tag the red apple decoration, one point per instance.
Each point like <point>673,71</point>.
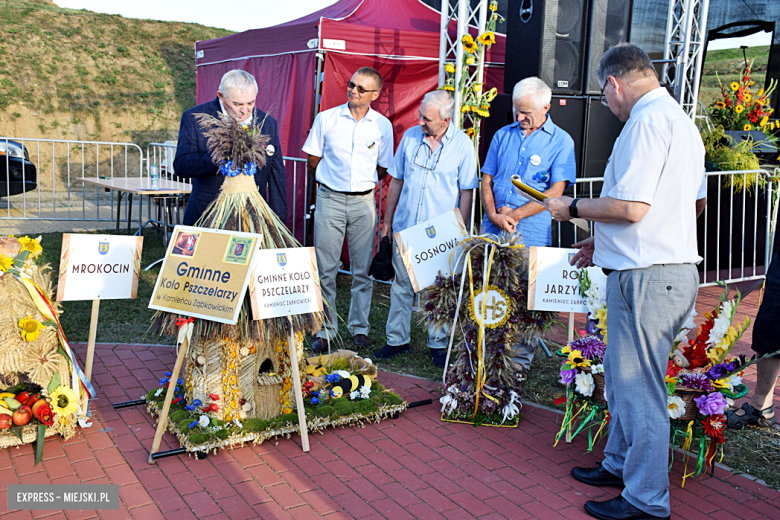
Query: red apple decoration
<point>5,421</point>
<point>22,415</point>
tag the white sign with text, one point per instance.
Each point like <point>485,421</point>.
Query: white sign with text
<point>554,284</point>
<point>285,282</point>
<point>426,247</point>
<point>99,267</point>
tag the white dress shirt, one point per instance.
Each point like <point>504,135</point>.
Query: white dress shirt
<point>350,150</point>
<point>658,159</point>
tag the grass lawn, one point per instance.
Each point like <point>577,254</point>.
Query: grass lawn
<point>752,451</point>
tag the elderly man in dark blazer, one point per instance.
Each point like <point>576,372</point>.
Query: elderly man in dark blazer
<point>236,97</point>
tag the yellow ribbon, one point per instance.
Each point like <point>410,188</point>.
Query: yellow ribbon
<point>686,445</point>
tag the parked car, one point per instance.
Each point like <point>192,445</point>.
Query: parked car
<point>17,173</point>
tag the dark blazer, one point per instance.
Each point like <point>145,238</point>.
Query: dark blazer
<point>193,160</point>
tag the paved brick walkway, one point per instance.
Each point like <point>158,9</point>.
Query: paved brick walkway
<point>413,467</point>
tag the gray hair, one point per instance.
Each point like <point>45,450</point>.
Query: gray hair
<point>534,87</point>
<point>441,99</point>
<point>624,60</point>
<point>237,80</point>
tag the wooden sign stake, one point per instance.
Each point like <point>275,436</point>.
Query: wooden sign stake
<point>91,347</point>
<point>571,327</point>
<point>297,388</point>
<point>162,419</point>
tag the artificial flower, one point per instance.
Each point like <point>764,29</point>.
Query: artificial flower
<point>6,262</point>
<point>204,421</point>
<point>583,383</point>
<point>471,132</point>
<point>190,408</point>
<point>64,401</point>
<point>597,369</point>
<point>469,45</point>
<point>734,85</point>
<point>491,94</point>
<point>465,108</point>
<point>720,104</point>
<point>670,380</point>
<point>576,359</point>
<point>493,6</point>
<point>354,394</point>
<point>449,67</point>
<point>365,392</point>
<point>448,88</point>
<point>567,376</point>
<point>244,351</point>
<point>32,245</point>
<point>158,392</point>
<point>590,347</point>
<point>764,121</point>
<point>695,381</point>
<point>487,38</point>
<point>747,127</point>
<point>315,400</point>
<point>748,97</point>
<point>676,406</point>
<point>711,404</point>
<point>214,397</point>
<point>192,424</point>
<point>566,350</point>
<point>714,426</point>
<point>31,328</point>
<point>197,403</point>
<point>738,109</point>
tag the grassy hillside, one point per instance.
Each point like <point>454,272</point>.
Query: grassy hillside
<point>75,74</point>
<point>728,63</point>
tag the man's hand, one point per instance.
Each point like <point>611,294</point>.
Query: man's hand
<point>559,208</point>
<point>584,257</point>
<point>502,220</point>
<point>386,230</point>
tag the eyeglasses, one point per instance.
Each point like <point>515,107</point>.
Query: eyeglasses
<point>425,159</point>
<point>603,98</point>
<point>360,89</point>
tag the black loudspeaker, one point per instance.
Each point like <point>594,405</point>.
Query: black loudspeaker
<point>610,22</point>
<point>601,131</point>
<point>546,38</point>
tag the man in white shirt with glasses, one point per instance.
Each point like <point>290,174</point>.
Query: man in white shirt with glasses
<point>349,150</point>
<point>434,171</point>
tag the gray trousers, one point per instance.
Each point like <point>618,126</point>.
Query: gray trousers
<point>645,310</point>
<point>399,319</point>
<point>523,353</point>
<point>337,215</point>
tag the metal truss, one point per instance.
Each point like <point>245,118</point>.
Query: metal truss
<point>462,12</point>
<point>686,32</point>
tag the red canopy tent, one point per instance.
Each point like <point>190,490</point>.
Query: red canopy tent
<point>399,38</point>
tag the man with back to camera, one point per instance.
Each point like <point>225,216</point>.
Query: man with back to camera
<point>349,149</point>
<point>236,97</point>
<point>433,172</point>
<point>645,241</point>
<point>542,154</point>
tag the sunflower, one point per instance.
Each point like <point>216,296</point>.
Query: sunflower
<point>465,108</point>
<point>747,127</point>
<point>476,87</point>
<point>64,401</point>
<point>31,328</point>
<point>738,109</point>
<point>6,262</point>
<point>470,132</point>
<point>493,5</point>
<point>470,60</point>
<point>469,45</point>
<point>764,121</point>
<point>491,94</point>
<point>577,360</point>
<point>448,88</point>
<point>748,97</point>
<point>449,68</point>
<point>720,104</point>
<point>31,245</point>
<point>734,85</point>
<point>487,38</point>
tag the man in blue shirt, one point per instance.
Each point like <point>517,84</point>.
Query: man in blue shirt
<point>434,171</point>
<point>543,156</point>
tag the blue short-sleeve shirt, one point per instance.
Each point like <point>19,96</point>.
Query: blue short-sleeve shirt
<point>541,159</point>
<point>432,179</point>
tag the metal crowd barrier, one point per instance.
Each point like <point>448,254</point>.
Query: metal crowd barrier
<point>56,165</point>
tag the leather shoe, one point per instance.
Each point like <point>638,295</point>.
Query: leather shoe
<point>389,351</point>
<point>319,345</point>
<point>597,476</point>
<point>361,340</point>
<point>617,508</point>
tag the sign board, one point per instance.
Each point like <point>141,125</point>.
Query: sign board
<point>285,282</point>
<point>426,247</point>
<point>205,273</point>
<point>99,267</point>
<point>554,284</point>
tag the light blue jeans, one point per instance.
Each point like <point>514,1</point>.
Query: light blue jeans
<point>645,310</point>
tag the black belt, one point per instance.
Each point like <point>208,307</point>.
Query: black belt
<point>607,271</point>
<point>348,192</point>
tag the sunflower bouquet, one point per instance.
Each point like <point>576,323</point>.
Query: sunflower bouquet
<point>743,108</point>
<point>474,100</point>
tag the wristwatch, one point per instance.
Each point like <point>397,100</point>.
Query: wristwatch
<point>573,213</point>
